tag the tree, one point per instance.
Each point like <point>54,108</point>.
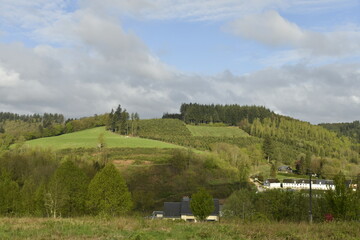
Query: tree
<point>300,164</point>
<point>108,193</point>
<point>240,204</point>
<point>66,195</point>
<point>101,141</point>
<point>9,194</point>
<point>124,125</point>
<point>307,162</point>
<point>268,148</point>
<point>202,204</point>
<point>27,195</point>
<point>273,170</point>
<point>341,199</point>
<point>103,154</point>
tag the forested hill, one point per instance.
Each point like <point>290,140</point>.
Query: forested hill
<point>351,130</point>
<point>292,137</point>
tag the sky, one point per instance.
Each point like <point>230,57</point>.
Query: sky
<point>299,58</point>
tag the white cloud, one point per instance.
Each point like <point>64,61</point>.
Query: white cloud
<point>8,78</point>
<point>272,29</point>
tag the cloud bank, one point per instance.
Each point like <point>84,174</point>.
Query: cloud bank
<point>85,63</point>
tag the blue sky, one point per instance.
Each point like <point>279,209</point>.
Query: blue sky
<point>297,57</point>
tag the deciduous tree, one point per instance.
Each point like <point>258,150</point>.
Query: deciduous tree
<point>108,193</point>
<point>202,204</point>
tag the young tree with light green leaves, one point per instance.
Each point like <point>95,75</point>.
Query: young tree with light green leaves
<point>342,200</point>
<point>108,193</point>
<point>202,204</point>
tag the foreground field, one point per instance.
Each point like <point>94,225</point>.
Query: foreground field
<point>89,139</point>
<point>139,228</point>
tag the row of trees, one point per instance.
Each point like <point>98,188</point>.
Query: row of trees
<point>195,113</point>
<point>68,193</point>
<point>45,119</point>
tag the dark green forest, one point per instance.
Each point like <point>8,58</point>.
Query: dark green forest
<point>194,113</point>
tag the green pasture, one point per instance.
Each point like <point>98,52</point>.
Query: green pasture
<point>209,131</point>
<point>89,139</point>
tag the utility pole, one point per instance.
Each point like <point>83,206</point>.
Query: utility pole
<point>310,201</point>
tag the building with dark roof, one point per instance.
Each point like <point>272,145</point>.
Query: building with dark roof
<point>286,169</point>
<point>182,210</point>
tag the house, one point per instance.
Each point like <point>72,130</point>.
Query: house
<point>272,183</point>
<point>286,169</point>
<point>182,210</point>
<point>318,184</point>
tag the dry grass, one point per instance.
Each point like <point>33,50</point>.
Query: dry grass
<point>140,228</point>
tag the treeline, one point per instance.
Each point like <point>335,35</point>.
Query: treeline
<point>46,118</point>
<point>282,205</point>
<point>120,121</point>
<point>351,130</point>
<point>194,113</point>
<point>36,183</point>
<point>27,127</point>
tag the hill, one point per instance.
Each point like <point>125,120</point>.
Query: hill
<point>89,139</point>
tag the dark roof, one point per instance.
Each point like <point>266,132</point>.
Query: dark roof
<point>314,181</point>
<point>172,209</point>
<point>284,168</point>
<point>185,206</point>
<point>272,180</point>
<point>176,209</point>
<point>288,181</point>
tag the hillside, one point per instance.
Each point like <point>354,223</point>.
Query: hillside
<point>351,130</point>
<point>210,131</point>
<point>89,139</point>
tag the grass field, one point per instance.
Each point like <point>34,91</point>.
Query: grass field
<point>139,228</point>
<point>208,131</point>
<point>89,139</point>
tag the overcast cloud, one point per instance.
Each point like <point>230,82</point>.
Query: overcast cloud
<point>82,62</point>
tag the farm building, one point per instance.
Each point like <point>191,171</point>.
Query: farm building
<point>182,210</point>
<point>272,183</point>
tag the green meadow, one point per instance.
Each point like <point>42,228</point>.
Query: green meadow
<point>89,139</point>
<point>209,131</point>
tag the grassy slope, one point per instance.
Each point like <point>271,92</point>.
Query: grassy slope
<point>208,131</point>
<point>139,228</point>
<point>89,139</point>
